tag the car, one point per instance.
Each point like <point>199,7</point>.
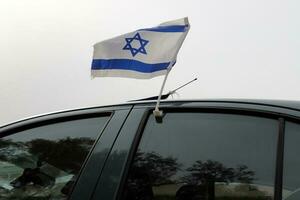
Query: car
<point>198,150</point>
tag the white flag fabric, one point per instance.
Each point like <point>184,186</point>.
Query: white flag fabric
<point>141,54</point>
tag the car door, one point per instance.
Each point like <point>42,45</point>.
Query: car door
<point>46,157</point>
<point>197,153</point>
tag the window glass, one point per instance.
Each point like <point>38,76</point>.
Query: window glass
<point>291,174</point>
<point>204,156</point>
<point>43,162</point>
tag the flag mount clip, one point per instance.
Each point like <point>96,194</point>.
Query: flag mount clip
<point>159,113</point>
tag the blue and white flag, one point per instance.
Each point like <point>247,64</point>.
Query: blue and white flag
<point>141,54</point>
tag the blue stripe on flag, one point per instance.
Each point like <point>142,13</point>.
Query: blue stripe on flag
<point>173,28</point>
<point>128,64</point>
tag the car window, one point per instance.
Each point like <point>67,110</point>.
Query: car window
<point>204,156</point>
<point>291,173</point>
<point>43,162</point>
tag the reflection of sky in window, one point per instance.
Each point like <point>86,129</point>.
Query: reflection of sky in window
<point>90,128</point>
<point>230,139</point>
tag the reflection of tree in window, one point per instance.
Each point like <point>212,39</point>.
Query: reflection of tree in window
<point>149,169</point>
<point>43,161</point>
<point>66,154</point>
<point>203,176</point>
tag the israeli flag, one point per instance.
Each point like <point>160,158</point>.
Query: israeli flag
<point>141,54</point>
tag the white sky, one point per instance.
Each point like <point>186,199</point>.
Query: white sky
<point>236,48</point>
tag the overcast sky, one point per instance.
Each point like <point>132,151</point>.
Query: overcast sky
<point>236,48</point>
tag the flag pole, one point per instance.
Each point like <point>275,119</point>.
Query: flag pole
<point>156,111</point>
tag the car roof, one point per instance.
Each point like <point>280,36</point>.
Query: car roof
<point>294,105</point>
<point>285,104</point>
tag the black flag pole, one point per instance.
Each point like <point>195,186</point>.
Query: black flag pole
<point>157,112</point>
<point>173,91</point>
<point>165,96</point>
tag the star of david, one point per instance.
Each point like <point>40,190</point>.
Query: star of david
<point>133,50</point>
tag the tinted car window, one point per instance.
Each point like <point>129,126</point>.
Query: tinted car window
<point>291,174</point>
<point>43,162</point>
<point>204,156</point>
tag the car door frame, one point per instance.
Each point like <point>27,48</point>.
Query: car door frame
<point>250,109</point>
<point>117,115</point>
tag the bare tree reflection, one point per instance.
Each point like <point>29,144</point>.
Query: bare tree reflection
<point>204,174</point>
<point>149,169</point>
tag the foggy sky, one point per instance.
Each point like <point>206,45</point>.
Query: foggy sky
<point>236,48</point>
